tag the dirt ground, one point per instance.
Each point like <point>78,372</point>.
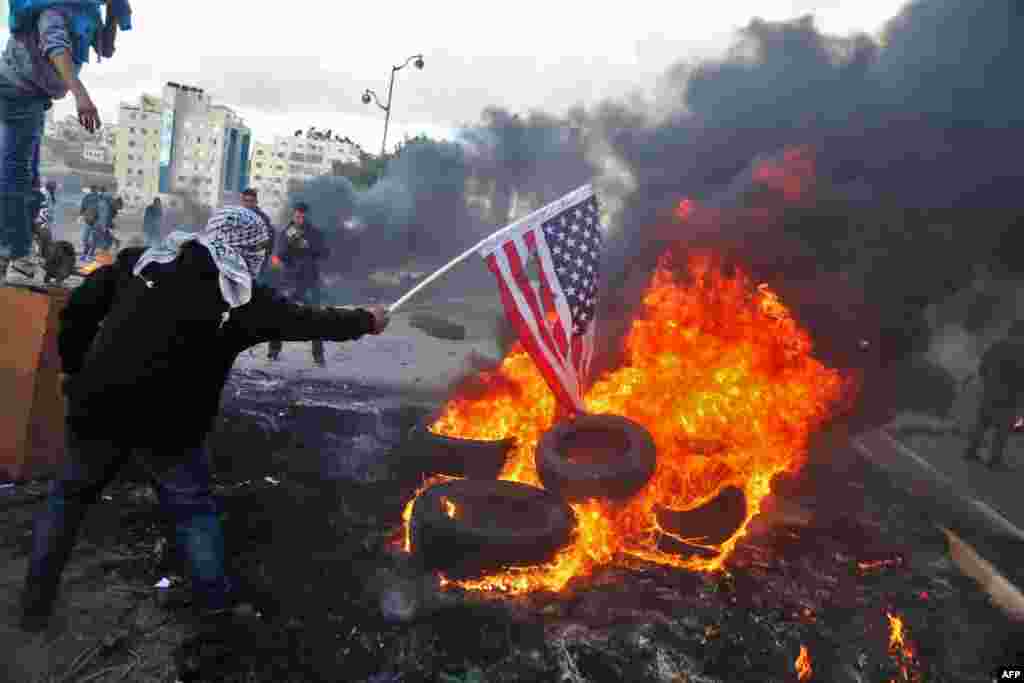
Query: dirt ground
<point>315,552</point>
<point>308,472</point>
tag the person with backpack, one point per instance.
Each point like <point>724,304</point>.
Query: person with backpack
<point>135,337</point>
<point>49,43</point>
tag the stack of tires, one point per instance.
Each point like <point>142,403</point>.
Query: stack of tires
<point>469,526</point>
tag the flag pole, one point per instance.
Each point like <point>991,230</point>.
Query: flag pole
<point>441,271</point>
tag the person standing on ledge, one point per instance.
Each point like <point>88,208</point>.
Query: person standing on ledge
<point>135,337</point>
<point>50,41</point>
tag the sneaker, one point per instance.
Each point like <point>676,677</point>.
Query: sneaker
<point>272,356</point>
<point>22,267</point>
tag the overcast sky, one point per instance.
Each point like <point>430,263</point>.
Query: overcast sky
<point>289,65</point>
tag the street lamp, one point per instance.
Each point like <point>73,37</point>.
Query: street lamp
<point>369,95</point>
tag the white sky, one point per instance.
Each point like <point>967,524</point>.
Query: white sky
<point>289,65</point>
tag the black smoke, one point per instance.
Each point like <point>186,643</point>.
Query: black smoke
<point>915,140</point>
<point>437,198</point>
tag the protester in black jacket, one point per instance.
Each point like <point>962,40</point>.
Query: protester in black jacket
<point>300,248</point>
<point>147,345</point>
<point>1002,373</point>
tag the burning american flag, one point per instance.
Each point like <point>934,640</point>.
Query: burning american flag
<point>555,317</point>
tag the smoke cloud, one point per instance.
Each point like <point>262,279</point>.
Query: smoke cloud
<point>905,151</point>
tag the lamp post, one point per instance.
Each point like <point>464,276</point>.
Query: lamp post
<point>368,94</point>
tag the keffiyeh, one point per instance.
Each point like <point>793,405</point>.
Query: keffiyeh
<point>236,239</point>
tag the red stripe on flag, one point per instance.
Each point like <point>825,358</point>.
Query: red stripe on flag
<point>526,289</point>
<point>526,336</point>
<point>577,354</point>
<point>549,300</point>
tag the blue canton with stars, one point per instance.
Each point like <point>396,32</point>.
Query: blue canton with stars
<point>574,239</point>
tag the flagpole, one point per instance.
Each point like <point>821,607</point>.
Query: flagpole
<point>444,269</point>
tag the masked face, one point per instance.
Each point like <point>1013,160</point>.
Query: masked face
<point>244,232</point>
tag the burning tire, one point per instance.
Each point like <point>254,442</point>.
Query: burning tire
<point>467,527</point>
<point>710,524</point>
<point>596,456</point>
<point>436,454</point>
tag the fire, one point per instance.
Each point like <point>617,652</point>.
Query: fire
<point>902,650</point>
<point>450,508</point>
<point>792,175</point>
<point>102,258</point>
<point>712,359</point>
<point>1018,423</point>
<point>867,566</point>
<point>685,208</point>
<point>803,664</point>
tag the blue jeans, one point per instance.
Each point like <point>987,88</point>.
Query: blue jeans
<point>21,131</point>
<point>301,293</point>
<point>182,481</point>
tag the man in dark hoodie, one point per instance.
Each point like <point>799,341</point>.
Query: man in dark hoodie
<point>1002,372</point>
<point>300,248</point>
<point>136,337</point>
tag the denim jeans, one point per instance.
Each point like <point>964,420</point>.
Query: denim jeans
<point>21,131</point>
<point>182,481</point>
<point>309,295</point>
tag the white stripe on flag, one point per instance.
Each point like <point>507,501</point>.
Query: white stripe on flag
<point>569,382</point>
<point>551,277</point>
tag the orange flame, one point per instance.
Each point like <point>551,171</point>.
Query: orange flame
<point>902,650</point>
<point>102,258</point>
<point>685,208</point>
<point>792,175</point>
<point>712,360</point>
<point>450,508</point>
<point>876,565</point>
<point>803,664</point>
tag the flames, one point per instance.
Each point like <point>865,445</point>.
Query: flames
<point>803,665</point>
<point>102,258</point>
<point>902,651</point>
<point>712,359</point>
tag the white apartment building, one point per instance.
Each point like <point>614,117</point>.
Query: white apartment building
<point>181,143</point>
<point>289,159</point>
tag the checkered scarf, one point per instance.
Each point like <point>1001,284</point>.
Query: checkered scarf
<point>236,239</point>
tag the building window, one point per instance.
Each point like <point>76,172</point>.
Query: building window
<point>131,143</point>
<point>133,116</point>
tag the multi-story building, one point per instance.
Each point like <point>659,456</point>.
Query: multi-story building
<point>181,144</point>
<point>277,167</point>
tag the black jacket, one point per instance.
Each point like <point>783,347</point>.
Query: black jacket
<point>1002,368</point>
<point>148,365</point>
<point>302,264</point>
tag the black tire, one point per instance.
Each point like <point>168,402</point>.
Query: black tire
<point>711,523</point>
<point>499,524</point>
<point>427,452</point>
<point>620,458</point>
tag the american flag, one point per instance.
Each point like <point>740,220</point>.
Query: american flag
<point>555,317</point>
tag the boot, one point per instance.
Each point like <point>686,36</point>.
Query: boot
<point>318,353</point>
